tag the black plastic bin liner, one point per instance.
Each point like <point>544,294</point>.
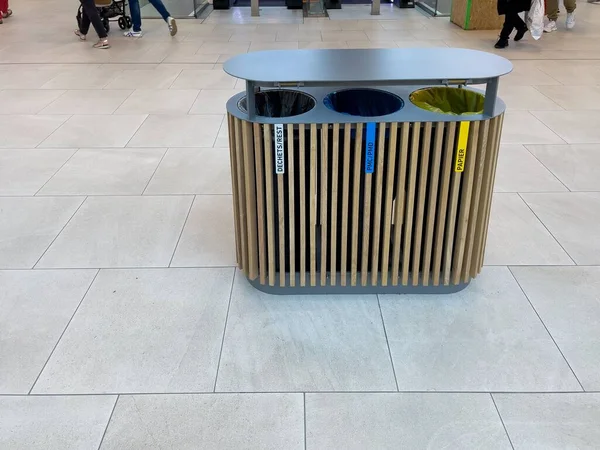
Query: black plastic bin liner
<point>280,103</point>
<point>364,102</point>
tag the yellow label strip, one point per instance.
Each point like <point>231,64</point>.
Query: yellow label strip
<point>461,150</point>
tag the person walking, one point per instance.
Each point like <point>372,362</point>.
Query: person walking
<point>90,16</point>
<point>5,11</point>
<point>510,9</point>
<point>136,17</point>
<point>552,11</point>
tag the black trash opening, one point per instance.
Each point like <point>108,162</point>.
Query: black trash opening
<point>280,103</point>
<point>364,102</point>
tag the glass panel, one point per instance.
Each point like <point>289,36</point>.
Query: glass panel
<point>177,8</point>
<point>436,7</point>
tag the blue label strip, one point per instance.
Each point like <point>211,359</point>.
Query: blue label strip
<point>370,155</point>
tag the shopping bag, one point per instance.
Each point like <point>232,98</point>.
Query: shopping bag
<point>535,19</point>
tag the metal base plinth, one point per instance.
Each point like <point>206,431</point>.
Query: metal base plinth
<point>348,290</point>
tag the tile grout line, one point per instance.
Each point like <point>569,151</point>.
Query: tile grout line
<point>546,228</point>
<point>155,170</point>
<point>526,146</point>
<point>108,423</point>
<point>64,331</point>
<point>545,327</point>
<point>70,116</point>
<point>387,341</point>
<point>304,404</point>
<point>54,174</point>
<point>502,421</point>
<point>61,230</point>
<point>224,331</point>
<point>136,131</point>
<point>187,216</point>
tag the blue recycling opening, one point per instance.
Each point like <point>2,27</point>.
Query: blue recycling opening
<point>363,102</point>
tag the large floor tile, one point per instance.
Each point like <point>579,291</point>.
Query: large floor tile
<point>212,101</point>
<point>87,102</point>
<point>576,166</point>
<point>159,101</point>
<point>208,239</point>
<point>485,338</point>
<point>154,330</point>
<point>411,421</point>
<point>28,226</point>
<point>223,422</point>
<point>519,171</point>
<point>517,237</point>
<point>551,421</point>
<point>573,219</point>
<point>25,101</point>
<point>573,97</point>
<point>24,172</point>
<point>105,172</point>
<point>177,131</point>
<point>85,77</point>
<point>526,98</point>
<point>521,127</point>
<point>144,79</point>
<point>204,79</point>
<point>37,306</point>
<point>95,131</point>
<point>26,78</point>
<point>43,423</point>
<point>574,127</point>
<point>28,131</point>
<point>303,343</point>
<point>120,232</point>
<point>192,171</point>
<point>566,298</point>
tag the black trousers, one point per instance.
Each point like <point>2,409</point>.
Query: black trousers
<point>90,15</point>
<point>512,21</point>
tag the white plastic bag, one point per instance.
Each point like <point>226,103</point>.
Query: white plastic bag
<point>535,19</point>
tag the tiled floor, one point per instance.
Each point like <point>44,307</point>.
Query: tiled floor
<point>124,325</point>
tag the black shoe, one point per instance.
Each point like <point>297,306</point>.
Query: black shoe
<point>520,34</point>
<point>502,43</point>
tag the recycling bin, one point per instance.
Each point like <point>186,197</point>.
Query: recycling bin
<point>363,178</point>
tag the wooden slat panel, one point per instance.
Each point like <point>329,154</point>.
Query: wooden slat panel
<point>302,205</point>
<point>313,204</point>
<point>239,146</point>
<point>366,225</point>
<point>356,204</point>
<point>400,202</point>
<point>496,149</point>
<point>281,213</point>
<point>410,200</point>
<point>465,203</point>
<point>334,201</point>
<point>324,204</point>
<point>475,213</point>
<point>432,201</point>
<point>260,201</point>
<point>378,201</point>
<point>443,201</point>
<point>389,203</point>
<point>345,205</point>
<point>234,189</point>
<point>425,150</point>
<point>269,175</point>
<point>291,204</point>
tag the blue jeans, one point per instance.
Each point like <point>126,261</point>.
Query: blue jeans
<point>136,15</point>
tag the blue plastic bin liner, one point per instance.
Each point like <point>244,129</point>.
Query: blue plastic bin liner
<point>281,103</point>
<point>363,102</point>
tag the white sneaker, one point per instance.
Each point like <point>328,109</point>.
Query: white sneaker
<point>172,26</point>
<point>133,34</point>
<point>550,27</point>
<point>570,20</point>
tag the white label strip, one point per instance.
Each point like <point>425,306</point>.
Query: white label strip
<point>279,150</point>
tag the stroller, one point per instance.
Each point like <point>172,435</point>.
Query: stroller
<point>109,9</point>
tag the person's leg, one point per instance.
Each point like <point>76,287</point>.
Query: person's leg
<point>136,15</point>
<point>570,5</point>
<point>84,24</point>
<point>160,8</point>
<point>552,10</point>
<point>89,10</point>
<point>507,29</point>
<point>3,7</point>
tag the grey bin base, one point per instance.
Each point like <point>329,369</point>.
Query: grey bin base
<point>358,290</point>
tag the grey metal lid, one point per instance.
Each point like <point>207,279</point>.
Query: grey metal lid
<point>396,66</point>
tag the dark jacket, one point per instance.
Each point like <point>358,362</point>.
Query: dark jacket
<point>513,6</point>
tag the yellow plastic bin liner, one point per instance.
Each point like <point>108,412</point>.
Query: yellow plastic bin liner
<point>445,100</point>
